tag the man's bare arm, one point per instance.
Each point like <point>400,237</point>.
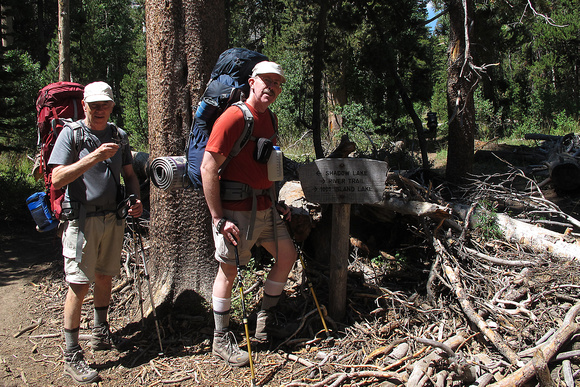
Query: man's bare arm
<point>66,174</point>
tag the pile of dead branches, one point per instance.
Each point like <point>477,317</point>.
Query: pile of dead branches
<point>463,300</point>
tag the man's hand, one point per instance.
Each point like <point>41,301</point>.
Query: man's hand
<point>230,231</point>
<point>284,210</point>
<point>106,151</point>
<point>136,209</point>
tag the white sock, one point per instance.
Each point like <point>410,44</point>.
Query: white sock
<point>221,312</point>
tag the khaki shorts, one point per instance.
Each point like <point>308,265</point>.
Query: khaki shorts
<point>102,245</point>
<point>263,232</point>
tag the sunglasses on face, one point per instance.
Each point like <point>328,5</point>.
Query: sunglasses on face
<point>269,82</point>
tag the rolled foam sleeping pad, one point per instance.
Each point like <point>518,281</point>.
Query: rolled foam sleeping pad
<point>169,173</point>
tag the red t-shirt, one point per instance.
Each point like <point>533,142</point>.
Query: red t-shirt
<point>242,168</point>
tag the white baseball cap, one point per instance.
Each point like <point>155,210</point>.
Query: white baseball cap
<point>266,67</point>
<point>97,92</point>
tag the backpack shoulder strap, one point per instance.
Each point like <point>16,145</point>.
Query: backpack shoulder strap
<point>245,136</point>
<point>274,124</point>
<point>78,135</point>
<point>247,132</point>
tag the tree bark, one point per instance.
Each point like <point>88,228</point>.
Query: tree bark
<point>461,81</point>
<point>63,41</point>
<point>317,79</point>
<point>184,39</point>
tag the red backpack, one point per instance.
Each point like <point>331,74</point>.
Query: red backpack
<point>56,103</point>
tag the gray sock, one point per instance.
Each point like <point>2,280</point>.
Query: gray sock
<point>71,338</point>
<point>101,315</point>
<point>221,320</point>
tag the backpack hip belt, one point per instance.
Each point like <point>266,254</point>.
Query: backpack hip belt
<point>233,190</point>
<point>71,210</point>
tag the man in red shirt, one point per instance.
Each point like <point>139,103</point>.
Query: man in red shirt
<point>231,219</point>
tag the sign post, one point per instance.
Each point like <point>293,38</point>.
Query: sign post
<point>342,182</point>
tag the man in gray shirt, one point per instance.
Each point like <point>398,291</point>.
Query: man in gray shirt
<point>92,237</point>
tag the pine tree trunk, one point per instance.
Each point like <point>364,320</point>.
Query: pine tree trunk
<point>460,82</point>
<point>317,70</point>
<point>184,39</point>
<point>63,40</point>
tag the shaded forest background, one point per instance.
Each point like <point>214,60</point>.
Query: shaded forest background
<point>528,53</point>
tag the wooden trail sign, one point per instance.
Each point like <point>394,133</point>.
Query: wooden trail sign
<point>342,182</point>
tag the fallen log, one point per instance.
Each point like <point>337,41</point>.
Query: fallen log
<point>306,214</point>
<point>564,171</point>
<point>414,208</point>
<point>561,159</point>
<point>537,239</point>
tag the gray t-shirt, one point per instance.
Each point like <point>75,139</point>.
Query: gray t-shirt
<point>98,185</point>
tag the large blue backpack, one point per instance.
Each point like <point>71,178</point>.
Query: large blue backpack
<point>227,86</point>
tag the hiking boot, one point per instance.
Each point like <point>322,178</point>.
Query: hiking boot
<point>226,346</point>
<point>263,322</point>
<point>76,367</point>
<point>101,339</point>
<point>271,325</point>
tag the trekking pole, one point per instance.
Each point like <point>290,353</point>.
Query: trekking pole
<point>312,291</point>
<point>244,316</point>
<point>146,275</point>
<point>135,255</point>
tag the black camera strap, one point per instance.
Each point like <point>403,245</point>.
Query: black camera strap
<point>97,143</point>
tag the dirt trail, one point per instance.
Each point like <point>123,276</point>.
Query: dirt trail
<point>26,257</point>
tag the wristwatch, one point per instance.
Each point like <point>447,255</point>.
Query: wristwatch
<point>220,224</point>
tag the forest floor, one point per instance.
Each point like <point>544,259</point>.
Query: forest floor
<point>32,291</point>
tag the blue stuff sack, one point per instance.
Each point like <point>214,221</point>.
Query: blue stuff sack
<point>40,210</point>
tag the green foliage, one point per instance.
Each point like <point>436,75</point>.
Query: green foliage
<point>17,184</point>
<point>19,84</point>
<point>379,260</point>
<point>565,124</point>
<point>488,120</point>
<point>103,36</point>
<point>249,276</point>
<point>526,125</point>
<point>291,106</point>
<point>356,38</point>
<point>134,87</point>
<point>441,156</point>
<point>487,221</point>
<point>107,43</point>
<point>360,128</point>
<point>535,78</point>
<point>532,87</point>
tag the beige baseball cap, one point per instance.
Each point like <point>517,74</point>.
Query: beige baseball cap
<point>97,92</point>
<point>266,67</point>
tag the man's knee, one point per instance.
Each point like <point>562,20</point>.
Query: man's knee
<point>78,291</point>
